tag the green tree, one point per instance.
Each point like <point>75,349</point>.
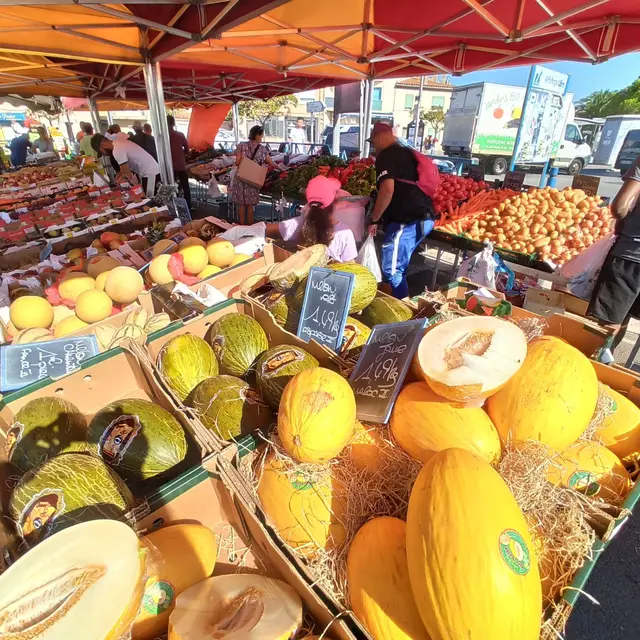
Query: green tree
<point>262,110</point>
<point>434,118</point>
<point>598,104</point>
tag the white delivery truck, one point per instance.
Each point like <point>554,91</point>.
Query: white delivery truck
<point>614,132</point>
<point>483,121</point>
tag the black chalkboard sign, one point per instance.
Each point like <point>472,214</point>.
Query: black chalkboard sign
<point>182,210</point>
<point>514,180</point>
<point>589,184</point>
<point>383,366</point>
<point>22,364</point>
<point>476,172</point>
<point>325,307</point>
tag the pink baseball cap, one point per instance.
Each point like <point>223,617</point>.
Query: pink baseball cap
<point>322,190</point>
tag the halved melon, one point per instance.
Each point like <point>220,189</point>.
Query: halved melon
<point>238,606</point>
<point>288,274</point>
<point>620,428</point>
<point>468,359</point>
<point>84,582</point>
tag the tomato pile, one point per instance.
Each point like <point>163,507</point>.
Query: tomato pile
<point>453,189</point>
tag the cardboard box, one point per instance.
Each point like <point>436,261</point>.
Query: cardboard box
<point>544,303</point>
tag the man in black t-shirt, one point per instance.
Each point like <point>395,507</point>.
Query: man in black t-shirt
<point>616,295</point>
<point>405,210</point>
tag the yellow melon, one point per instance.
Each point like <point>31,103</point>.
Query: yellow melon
<point>620,429</point>
<point>101,280</point>
<point>195,259</point>
<point>192,242</point>
<point>589,467</point>
<point>181,554</point>
<point>239,258</point>
<point>423,423</point>
<point>308,515</point>
<point>368,449</point>
<point>551,399</point>
<point>74,254</point>
<point>209,270</point>
<point>378,580</point>
<point>101,263</point>
<point>123,285</point>
<point>158,270</point>
<point>60,312</point>
<point>472,565</point>
<point>468,359</point>
<point>69,325</point>
<point>31,312</point>
<point>74,284</point>
<point>220,253</point>
<point>93,306</point>
<point>164,246</point>
<point>317,415</point>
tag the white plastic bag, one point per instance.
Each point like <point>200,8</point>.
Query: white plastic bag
<point>368,257</point>
<point>232,178</point>
<point>480,268</point>
<point>213,190</point>
<point>583,270</point>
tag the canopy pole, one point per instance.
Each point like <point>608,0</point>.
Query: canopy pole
<point>336,132</point>
<point>417,114</point>
<point>95,115</point>
<point>236,122</point>
<point>368,109</point>
<point>109,118</point>
<point>361,136</point>
<point>158,113</point>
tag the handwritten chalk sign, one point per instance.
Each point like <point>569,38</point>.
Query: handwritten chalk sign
<point>589,184</point>
<point>476,172</point>
<point>514,180</point>
<point>383,366</point>
<point>22,364</point>
<point>325,307</point>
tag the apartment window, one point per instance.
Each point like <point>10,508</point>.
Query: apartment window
<point>408,101</point>
<point>377,98</point>
<point>437,102</point>
<point>274,127</point>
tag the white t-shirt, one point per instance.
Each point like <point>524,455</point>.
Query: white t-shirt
<point>139,161</point>
<point>342,247</point>
<point>298,135</point>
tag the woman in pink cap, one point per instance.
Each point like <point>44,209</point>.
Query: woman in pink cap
<point>317,224</point>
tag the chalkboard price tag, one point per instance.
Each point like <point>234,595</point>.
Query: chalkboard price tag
<point>325,307</point>
<point>476,172</point>
<point>589,184</point>
<point>23,364</point>
<point>514,180</point>
<point>383,366</point>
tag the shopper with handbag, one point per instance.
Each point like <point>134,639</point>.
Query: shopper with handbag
<point>245,193</point>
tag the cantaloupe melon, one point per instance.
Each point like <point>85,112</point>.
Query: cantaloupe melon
<point>247,607</point>
<point>368,449</point>
<point>317,415</point>
<point>239,258</point>
<point>620,428</point>
<point>192,241</point>
<point>551,399</point>
<point>83,582</point>
<point>220,252</point>
<point>423,423</point>
<point>93,306</point>
<point>181,555</point>
<point>31,312</point>
<point>468,359</point>
<point>378,580</point>
<point>60,312</point>
<point>159,270</point>
<point>69,325</point>
<point>195,259</point>
<point>209,270</point>
<point>72,285</point>
<point>591,468</point>
<point>101,263</point>
<point>471,560</point>
<point>308,515</point>
<point>101,279</point>
<point>123,285</point>
<point>164,246</point>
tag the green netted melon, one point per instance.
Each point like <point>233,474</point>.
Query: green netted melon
<point>284,276</point>
<point>229,407</point>
<point>355,336</point>
<point>385,310</point>
<point>365,286</point>
<point>282,308</point>
<point>66,490</point>
<point>237,340</point>
<point>137,438</point>
<point>184,362</point>
<point>41,430</point>
<point>277,366</point>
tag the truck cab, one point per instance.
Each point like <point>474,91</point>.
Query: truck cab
<point>574,153</point>
<point>629,151</point>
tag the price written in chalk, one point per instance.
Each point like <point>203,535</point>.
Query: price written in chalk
<point>326,306</point>
<point>21,365</point>
<point>382,368</point>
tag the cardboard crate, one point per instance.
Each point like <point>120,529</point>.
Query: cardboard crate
<point>201,327</point>
<point>213,495</point>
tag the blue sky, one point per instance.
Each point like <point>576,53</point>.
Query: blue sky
<point>585,78</point>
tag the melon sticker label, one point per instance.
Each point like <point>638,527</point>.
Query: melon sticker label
<point>300,483</point>
<point>117,437</point>
<point>39,514</point>
<point>158,597</point>
<point>349,336</point>
<point>584,481</point>
<point>274,364</point>
<point>217,344</point>
<point>251,396</point>
<point>13,437</point>
<point>514,552</point>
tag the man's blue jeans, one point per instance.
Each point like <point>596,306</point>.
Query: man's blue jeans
<point>400,241</point>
